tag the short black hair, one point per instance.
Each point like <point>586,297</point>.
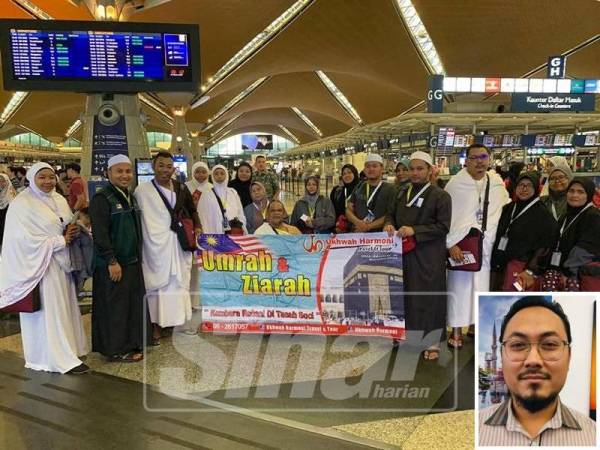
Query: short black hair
<point>74,166</point>
<point>20,170</point>
<point>261,156</point>
<point>478,146</point>
<point>162,154</point>
<point>531,301</point>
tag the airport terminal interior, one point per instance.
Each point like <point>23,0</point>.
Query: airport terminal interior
<point>312,85</point>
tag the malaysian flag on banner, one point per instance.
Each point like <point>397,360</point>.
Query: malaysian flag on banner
<point>222,243</point>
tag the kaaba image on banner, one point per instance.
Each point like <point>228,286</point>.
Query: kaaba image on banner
<point>373,289</point>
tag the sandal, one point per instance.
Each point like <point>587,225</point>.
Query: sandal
<point>155,342</point>
<point>455,342</point>
<point>129,357</point>
<point>431,354</point>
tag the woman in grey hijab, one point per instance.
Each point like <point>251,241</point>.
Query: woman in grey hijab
<point>313,213</point>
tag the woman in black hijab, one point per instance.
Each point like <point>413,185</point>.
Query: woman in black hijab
<point>340,194</point>
<point>242,181</point>
<point>525,235</point>
<point>578,238</point>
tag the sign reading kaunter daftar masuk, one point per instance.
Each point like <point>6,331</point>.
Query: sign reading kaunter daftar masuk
<point>311,284</point>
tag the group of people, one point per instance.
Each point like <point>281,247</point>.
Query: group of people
<point>142,245</point>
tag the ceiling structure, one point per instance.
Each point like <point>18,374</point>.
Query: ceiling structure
<point>363,46</point>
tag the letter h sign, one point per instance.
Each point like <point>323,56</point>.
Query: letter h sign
<point>557,66</point>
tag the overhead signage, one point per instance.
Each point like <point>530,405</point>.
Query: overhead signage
<point>435,94</point>
<point>108,141</point>
<point>519,85</point>
<point>557,66</point>
<point>552,102</point>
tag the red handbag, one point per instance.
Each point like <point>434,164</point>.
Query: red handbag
<point>473,241</point>
<point>516,266</point>
<point>29,304</point>
<point>589,276</point>
<point>408,244</point>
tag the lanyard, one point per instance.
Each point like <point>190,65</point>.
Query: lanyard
<point>565,227</point>
<point>345,196</point>
<point>423,189</point>
<point>370,198</point>
<point>263,213</point>
<point>518,215</point>
<point>554,212</point>
<point>124,194</point>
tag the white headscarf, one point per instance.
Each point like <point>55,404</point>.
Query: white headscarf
<point>48,198</point>
<point>220,188</point>
<point>192,184</point>
<point>7,193</point>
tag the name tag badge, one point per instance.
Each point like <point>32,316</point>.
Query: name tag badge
<point>479,216</point>
<point>370,217</point>
<point>556,259</point>
<point>419,202</point>
<point>119,206</point>
<point>503,243</point>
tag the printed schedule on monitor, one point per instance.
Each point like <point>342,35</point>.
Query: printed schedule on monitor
<point>98,55</point>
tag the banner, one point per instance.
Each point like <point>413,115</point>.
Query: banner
<point>108,141</point>
<point>308,284</point>
<point>553,102</point>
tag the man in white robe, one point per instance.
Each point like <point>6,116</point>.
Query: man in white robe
<point>166,266</point>
<point>35,254</point>
<point>467,190</point>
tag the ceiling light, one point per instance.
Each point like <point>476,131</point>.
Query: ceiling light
<point>290,134</point>
<point>12,106</point>
<point>73,129</point>
<point>307,121</point>
<point>33,9</point>
<point>201,101</point>
<point>225,125</point>
<point>420,36</point>
<point>339,96</point>
<point>235,100</point>
<point>258,42</point>
<point>157,107</point>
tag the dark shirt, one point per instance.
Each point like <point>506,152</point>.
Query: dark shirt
<point>379,202</point>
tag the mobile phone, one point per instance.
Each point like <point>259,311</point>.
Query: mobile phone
<point>518,286</point>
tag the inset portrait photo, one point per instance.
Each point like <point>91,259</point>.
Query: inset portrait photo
<point>536,370</point>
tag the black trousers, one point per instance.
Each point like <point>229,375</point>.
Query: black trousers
<point>119,311</point>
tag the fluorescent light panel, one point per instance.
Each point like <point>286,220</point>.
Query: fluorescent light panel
<point>339,96</point>
<point>257,42</point>
<point>225,125</point>
<point>234,101</point>
<point>33,9</point>
<point>73,128</point>
<point>290,134</point>
<point>420,36</point>
<point>12,106</point>
<point>307,121</point>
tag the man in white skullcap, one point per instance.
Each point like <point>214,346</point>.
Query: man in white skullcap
<point>421,213</point>
<point>119,309</point>
<point>368,203</point>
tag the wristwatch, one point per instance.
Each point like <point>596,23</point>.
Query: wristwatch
<point>112,261</point>
<point>529,272</point>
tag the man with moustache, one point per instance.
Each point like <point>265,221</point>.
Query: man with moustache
<point>535,339</point>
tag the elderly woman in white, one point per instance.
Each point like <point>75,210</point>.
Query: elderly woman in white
<point>38,230</point>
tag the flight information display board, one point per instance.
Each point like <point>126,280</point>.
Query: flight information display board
<point>99,56</point>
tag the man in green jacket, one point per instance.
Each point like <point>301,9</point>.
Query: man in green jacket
<point>119,313</point>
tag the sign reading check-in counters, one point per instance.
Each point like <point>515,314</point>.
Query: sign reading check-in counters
<point>552,102</point>
<point>309,284</point>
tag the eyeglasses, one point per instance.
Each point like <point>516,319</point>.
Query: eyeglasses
<point>518,350</point>
<point>524,186</point>
<point>557,179</point>
<point>482,157</point>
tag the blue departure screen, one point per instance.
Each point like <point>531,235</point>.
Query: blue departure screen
<point>99,55</point>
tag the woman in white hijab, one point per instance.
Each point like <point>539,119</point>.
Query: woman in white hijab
<point>35,254</point>
<point>220,209</point>
<point>7,194</point>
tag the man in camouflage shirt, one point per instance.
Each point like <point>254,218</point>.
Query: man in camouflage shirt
<point>268,179</point>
